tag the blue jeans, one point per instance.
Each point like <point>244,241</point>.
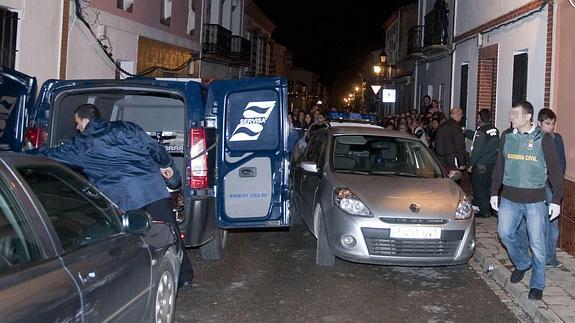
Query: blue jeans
<point>552,233</point>
<point>514,238</point>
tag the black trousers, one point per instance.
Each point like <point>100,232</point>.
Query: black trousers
<point>481,184</point>
<point>161,210</point>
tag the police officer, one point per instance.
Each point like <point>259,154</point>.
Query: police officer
<point>525,159</point>
<point>482,160</point>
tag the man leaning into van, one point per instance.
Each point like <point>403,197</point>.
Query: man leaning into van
<point>125,163</point>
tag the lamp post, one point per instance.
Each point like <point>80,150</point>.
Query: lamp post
<point>379,70</point>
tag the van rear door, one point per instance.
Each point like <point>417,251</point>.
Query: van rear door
<point>251,152</point>
<point>17,93</point>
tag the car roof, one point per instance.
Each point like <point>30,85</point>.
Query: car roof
<point>11,158</point>
<point>366,129</point>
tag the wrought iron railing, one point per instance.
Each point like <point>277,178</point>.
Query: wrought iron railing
<point>217,41</point>
<point>241,51</point>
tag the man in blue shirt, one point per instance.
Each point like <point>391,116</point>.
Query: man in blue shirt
<point>124,162</point>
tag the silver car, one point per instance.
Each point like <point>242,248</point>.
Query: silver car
<point>379,196</point>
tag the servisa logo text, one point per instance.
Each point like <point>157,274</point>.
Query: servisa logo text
<point>254,118</point>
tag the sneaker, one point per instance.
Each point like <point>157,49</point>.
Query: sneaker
<point>517,275</point>
<point>535,294</point>
<point>554,265</point>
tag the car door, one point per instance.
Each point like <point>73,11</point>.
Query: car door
<point>112,268</point>
<point>252,152</point>
<point>17,93</point>
<point>34,284</point>
<point>309,181</point>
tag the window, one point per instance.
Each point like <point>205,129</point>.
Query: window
<point>377,155</point>
<point>166,17</point>
<point>79,213</point>
<point>126,5</point>
<point>316,148</point>
<point>9,24</point>
<point>192,17</point>
<point>17,240</point>
<point>519,77</point>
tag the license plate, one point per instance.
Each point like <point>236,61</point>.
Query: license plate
<point>415,233</point>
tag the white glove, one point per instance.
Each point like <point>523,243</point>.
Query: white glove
<point>494,200</point>
<point>554,211</point>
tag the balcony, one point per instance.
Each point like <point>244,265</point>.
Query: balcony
<point>415,41</point>
<point>216,43</point>
<point>241,51</point>
<point>436,36</point>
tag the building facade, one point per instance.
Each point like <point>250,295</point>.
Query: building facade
<point>562,98</point>
<point>430,44</point>
<point>398,71</point>
<point>495,63</point>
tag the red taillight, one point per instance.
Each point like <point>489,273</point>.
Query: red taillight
<point>199,164</point>
<point>35,137</point>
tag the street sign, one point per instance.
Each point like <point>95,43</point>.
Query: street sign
<point>388,95</point>
<point>375,88</point>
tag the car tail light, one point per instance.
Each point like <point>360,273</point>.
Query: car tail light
<point>35,137</point>
<point>199,161</point>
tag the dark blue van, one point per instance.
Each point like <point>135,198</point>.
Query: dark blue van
<point>229,140</point>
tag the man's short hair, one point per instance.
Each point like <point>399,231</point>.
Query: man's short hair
<point>87,111</point>
<point>485,115</point>
<point>525,106</point>
<point>546,114</point>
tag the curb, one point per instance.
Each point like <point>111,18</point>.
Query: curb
<point>495,271</point>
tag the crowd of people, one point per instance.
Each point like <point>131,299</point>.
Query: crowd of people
<point>519,174</point>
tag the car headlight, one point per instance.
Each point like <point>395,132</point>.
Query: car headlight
<point>464,208</point>
<point>348,202</point>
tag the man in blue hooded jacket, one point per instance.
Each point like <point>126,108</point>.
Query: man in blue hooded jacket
<point>123,162</point>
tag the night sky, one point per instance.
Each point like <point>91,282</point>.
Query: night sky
<point>332,38</point>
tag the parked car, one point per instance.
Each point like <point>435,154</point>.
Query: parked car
<point>379,196</point>
<point>68,254</point>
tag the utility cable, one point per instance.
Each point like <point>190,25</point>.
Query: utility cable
<point>107,49</point>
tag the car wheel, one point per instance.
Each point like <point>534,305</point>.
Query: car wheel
<point>165,295</point>
<point>214,249</point>
<point>324,255</point>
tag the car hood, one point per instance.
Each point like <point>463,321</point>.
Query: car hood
<point>391,196</point>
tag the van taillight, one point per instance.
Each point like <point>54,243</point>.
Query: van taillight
<point>199,164</point>
<point>35,137</point>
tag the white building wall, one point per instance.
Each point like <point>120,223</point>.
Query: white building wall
<point>527,35</point>
<point>38,37</point>
<point>473,13</point>
<point>87,60</point>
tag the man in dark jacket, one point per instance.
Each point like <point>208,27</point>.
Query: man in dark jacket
<point>482,159</point>
<point>450,143</point>
<point>122,161</point>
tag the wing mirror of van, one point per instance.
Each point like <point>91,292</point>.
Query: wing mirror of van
<point>309,166</point>
<point>136,221</point>
<point>455,175</point>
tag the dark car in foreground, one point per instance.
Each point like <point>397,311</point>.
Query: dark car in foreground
<point>67,254</point>
<point>379,196</point>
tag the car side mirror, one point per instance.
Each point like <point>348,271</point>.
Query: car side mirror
<point>136,221</point>
<point>455,175</point>
<point>309,166</point>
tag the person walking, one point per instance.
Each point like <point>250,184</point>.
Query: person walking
<point>450,143</point>
<point>482,161</point>
<point>125,163</point>
<point>526,158</point>
<point>546,120</point>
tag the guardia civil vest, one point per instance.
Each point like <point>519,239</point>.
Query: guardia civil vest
<point>524,160</point>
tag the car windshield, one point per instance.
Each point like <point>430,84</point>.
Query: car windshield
<point>386,156</point>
